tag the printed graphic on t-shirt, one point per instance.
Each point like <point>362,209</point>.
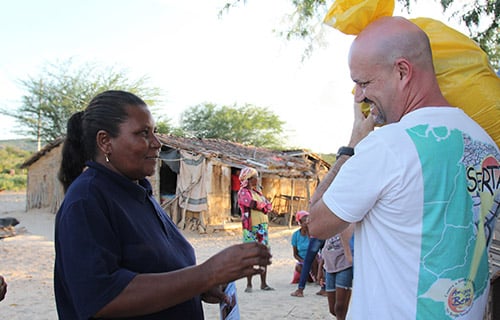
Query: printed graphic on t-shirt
<point>333,243</point>
<point>461,198</point>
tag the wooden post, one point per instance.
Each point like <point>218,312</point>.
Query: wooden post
<point>182,223</point>
<point>174,207</point>
<point>308,191</point>
<point>202,228</point>
<point>292,215</point>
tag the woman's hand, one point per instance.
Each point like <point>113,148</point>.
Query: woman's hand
<point>264,206</point>
<point>215,295</point>
<point>238,261</point>
<point>321,277</point>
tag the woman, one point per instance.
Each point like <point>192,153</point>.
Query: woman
<point>254,208</point>
<point>300,244</point>
<point>118,255</point>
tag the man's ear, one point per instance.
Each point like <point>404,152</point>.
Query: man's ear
<point>103,141</point>
<point>405,71</point>
<point>404,68</point>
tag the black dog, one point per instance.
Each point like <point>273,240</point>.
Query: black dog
<point>8,222</point>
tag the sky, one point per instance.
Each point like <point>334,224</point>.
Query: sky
<point>193,55</point>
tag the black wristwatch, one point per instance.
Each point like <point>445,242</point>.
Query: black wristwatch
<point>348,151</point>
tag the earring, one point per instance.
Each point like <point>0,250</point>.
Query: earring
<point>106,156</point>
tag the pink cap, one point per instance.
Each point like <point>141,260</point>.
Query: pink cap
<point>300,214</point>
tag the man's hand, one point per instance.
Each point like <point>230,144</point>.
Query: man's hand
<point>362,125</point>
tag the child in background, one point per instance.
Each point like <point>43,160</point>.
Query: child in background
<point>336,270</point>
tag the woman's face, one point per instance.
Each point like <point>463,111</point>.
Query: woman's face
<point>253,181</point>
<point>135,151</point>
<point>304,221</point>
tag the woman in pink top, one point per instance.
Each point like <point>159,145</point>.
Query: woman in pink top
<point>254,209</point>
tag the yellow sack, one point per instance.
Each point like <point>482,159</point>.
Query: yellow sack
<point>465,76</point>
<point>352,16</point>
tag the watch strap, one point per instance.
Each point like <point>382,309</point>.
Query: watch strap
<point>348,151</point>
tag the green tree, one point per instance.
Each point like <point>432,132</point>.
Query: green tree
<point>488,38</point>
<point>329,157</point>
<point>249,125</point>
<point>12,177</point>
<point>11,159</point>
<point>307,17</point>
<point>64,88</point>
<point>164,126</point>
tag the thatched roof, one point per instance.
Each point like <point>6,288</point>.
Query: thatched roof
<point>292,163</point>
<point>37,155</point>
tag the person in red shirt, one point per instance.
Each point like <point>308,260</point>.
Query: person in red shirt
<point>235,187</point>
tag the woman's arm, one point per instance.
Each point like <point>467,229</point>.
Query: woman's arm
<point>345,237</point>
<point>244,201</point>
<point>321,272</point>
<point>296,254</point>
<point>149,293</point>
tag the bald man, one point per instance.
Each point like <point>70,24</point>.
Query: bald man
<point>422,190</point>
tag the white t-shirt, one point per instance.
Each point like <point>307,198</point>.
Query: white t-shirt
<point>424,192</point>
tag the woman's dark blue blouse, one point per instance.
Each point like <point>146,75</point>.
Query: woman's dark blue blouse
<point>108,230</point>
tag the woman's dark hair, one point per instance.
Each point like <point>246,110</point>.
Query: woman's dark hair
<point>106,112</point>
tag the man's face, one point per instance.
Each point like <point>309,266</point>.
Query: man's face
<point>375,85</point>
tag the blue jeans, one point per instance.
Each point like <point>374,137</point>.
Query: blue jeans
<point>340,279</point>
<point>312,251</point>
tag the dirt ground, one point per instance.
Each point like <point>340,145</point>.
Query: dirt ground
<point>26,261</point>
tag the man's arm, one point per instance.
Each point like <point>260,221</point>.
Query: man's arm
<point>324,223</point>
<point>328,179</point>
